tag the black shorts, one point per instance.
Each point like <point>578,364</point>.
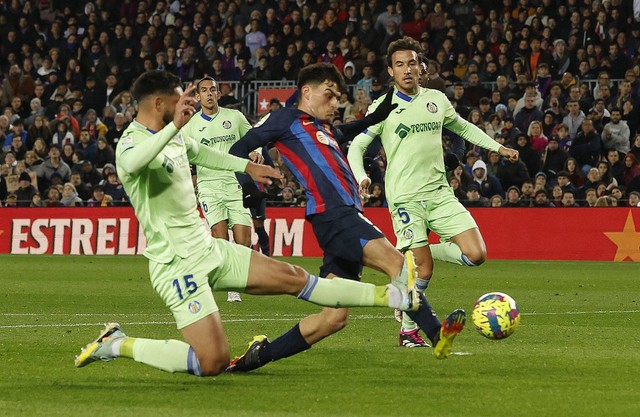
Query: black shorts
<point>342,234</point>
<point>260,212</point>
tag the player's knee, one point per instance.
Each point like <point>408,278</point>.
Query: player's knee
<point>424,272</point>
<point>475,257</point>
<point>214,366</point>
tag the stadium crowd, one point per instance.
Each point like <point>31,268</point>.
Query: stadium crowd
<point>557,80</point>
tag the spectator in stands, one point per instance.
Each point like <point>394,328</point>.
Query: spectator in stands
<point>87,145</point>
<point>634,199</point>
<point>53,197</point>
<point>585,147</point>
<point>38,129</point>
<point>615,134</point>
<point>16,84</point>
<point>488,184</point>
<point>631,168</point>
<point>526,193</point>
<point>99,198</point>
<point>94,125</point>
<point>17,131</point>
<point>574,118</point>
<point>26,191</point>
<point>114,189</point>
<point>84,192</point>
<point>528,114</point>
<point>70,196</point>
<point>62,135</point>
<point>541,199</point>
<point>513,198</point>
<point>569,199</point>
<point>53,165</point>
<point>474,199</point>
<point>536,136</point>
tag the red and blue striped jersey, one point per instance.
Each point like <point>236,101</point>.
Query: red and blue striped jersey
<point>309,149</point>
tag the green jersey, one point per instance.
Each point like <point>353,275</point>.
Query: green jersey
<point>219,131</point>
<point>154,170</point>
<point>412,139</point>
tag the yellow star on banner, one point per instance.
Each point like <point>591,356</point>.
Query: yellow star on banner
<point>627,241</point>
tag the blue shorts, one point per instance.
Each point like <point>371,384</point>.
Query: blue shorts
<point>342,234</point>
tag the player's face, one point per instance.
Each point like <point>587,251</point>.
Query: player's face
<point>322,100</point>
<point>168,105</point>
<point>208,94</point>
<point>405,70</point>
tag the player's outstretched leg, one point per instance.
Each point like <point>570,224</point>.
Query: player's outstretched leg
<point>451,327</point>
<point>101,349</point>
<point>167,355</point>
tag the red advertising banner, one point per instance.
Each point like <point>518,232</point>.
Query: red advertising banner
<point>266,94</point>
<point>604,234</point>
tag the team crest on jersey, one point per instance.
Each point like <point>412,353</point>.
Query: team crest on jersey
<point>261,121</point>
<point>322,138</point>
<point>226,124</point>
<point>432,107</point>
<point>407,234</point>
<point>195,307</point>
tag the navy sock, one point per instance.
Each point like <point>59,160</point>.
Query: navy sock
<point>427,320</point>
<point>263,240</point>
<point>284,346</point>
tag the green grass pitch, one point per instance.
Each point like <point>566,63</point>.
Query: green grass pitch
<point>576,353</point>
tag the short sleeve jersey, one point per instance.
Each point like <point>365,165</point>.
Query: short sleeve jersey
<point>219,132</point>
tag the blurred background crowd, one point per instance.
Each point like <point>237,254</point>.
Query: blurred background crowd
<point>557,80</point>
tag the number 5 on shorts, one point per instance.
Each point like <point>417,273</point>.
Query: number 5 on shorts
<point>189,285</point>
<point>404,216</point>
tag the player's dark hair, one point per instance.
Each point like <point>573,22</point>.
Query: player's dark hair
<point>403,44</point>
<point>318,73</point>
<point>205,78</point>
<point>154,82</point>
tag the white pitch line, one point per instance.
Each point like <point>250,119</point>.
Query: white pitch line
<point>247,318</point>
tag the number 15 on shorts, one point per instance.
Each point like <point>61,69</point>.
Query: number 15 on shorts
<point>189,285</point>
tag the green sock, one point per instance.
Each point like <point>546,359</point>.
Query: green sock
<point>340,292</point>
<point>447,252</point>
<point>167,355</point>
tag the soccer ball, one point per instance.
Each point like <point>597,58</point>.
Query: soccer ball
<point>496,315</point>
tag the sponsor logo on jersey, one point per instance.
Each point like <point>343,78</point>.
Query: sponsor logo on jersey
<point>226,124</point>
<point>426,127</point>
<point>402,131</point>
<point>195,307</point>
<point>432,107</point>
<point>407,234</point>
<point>126,141</point>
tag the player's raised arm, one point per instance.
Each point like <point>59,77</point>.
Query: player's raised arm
<point>257,137</point>
<point>134,155</point>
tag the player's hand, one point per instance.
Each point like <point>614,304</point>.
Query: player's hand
<point>185,108</point>
<point>364,189</point>
<point>263,173</point>
<point>256,157</point>
<point>509,153</point>
<point>382,111</point>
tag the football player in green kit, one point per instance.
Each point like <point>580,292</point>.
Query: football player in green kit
<point>418,194</point>
<point>219,192</point>
<point>185,262</point>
